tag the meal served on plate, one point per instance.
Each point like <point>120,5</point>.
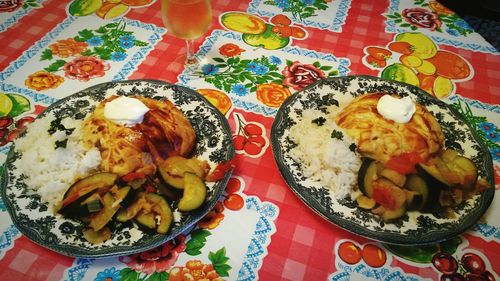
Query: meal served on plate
<point>387,153</point>
<point>129,161</point>
<point>383,159</point>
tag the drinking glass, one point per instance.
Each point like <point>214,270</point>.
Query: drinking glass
<point>188,20</point>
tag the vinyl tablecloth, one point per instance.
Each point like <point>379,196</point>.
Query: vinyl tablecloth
<point>52,49</point>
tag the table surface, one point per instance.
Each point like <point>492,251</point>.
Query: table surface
<point>273,235</point>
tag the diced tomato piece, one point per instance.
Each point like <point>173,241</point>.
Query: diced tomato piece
<point>387,194</point>
<point>133,176</point>
<point>404,163</point>
<point>382,195</point>
<point>220,171</point>
<point>149,188</point>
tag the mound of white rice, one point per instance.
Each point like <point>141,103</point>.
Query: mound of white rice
<point>323,158</point>
<point>51,171</point>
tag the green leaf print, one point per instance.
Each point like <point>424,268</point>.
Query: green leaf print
<point>55,66</point>
<point>158,276</point>
<point>225,74</point>
<point>219,261</point>
<point>46,54</point>
<point>197,242</point>
<point>128,274</point>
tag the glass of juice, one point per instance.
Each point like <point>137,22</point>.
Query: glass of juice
<point>188,20</point>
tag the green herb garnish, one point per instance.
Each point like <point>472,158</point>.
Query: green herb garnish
<point>337,135</point>
<point>353,147</point>
<point>62,143</point>
<point>56,125</point>
<point>319,121</point>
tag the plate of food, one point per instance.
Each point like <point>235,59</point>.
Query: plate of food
<point>117,168</point>
<point>383,159</point>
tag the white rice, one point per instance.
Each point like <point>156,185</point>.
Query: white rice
<point>51,171</point>
<point>324,159</point>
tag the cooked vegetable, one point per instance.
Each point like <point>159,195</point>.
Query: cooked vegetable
<point>419,186</point>
<point>391,215</point>
<point>195,192</point>
<point>173,169</point>
<point>131,211</point>
<point>392,175</point>
<point>432,176</point>
<point>388,194</point>
<point>96,237</point>
<point>146,221</point>
<point>414,200</point>
<point>366,175</point>
<point>87,185</point>
<point>162,210</point>
<point>100,219</point>
<point>149,206</point>
<point>404,183</point>
<point>93,203</point>
<point>461,171</point>
<point>404,163</point>
<point>365,202</point>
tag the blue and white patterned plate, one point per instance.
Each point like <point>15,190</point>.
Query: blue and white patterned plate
<point>414,227</point>
<point>35,219</point>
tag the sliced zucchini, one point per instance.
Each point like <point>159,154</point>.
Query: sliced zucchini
<point>393,176</point>
<point>365,202</point>
<point>416,184</point>
<point>414,200</point>
<point>100,219</point>
<point>96,237</point>
<point>173,169</point>
<point>164,216</point>
<point>467,171</point>
<point>93,203</point>
<point>195,193</point>
<point>87,185</point>
<point>391,215</point>
<point>157,208</point>
<point>131,211</point>
<point>146,220</point>
<point>432,175</point>
<point>366,175</point>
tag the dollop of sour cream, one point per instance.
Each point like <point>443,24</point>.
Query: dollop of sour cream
<point>398,110</point>
<point>125,111</point>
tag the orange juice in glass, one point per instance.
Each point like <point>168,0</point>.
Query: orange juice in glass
<point>188,20</point>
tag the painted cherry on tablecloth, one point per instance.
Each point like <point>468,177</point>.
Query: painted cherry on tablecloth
<point>472,267</point>
<point>249,138</point>
<point>371,254</point>
<point>233,201</point>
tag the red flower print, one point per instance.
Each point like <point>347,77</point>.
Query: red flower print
<point>85,68</point>
<point>419,17</point>
<point>213,218</point>
<point>159,259</point>
<point>67,47</point>
<point>299,75</point>
<point>230,50</point>
<point>194,270</point>
<point>10,5</point>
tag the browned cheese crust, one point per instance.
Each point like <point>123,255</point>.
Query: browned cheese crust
<point>382,139</point>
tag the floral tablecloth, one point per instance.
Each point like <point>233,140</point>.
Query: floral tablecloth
<point>256,54</point>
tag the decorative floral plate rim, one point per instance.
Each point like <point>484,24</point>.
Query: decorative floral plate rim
<point>213,143</point>
<point>414,228</point>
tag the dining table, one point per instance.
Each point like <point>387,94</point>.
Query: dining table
<point>256,56</point>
